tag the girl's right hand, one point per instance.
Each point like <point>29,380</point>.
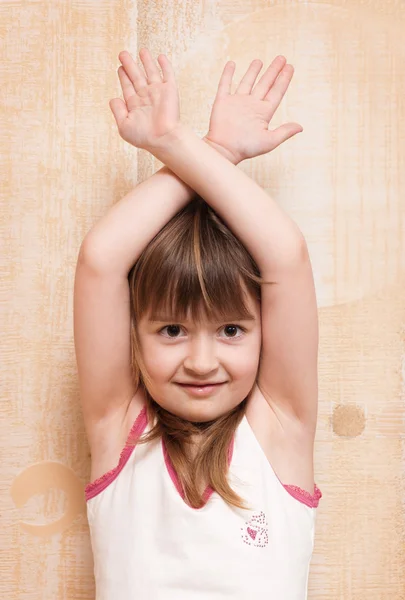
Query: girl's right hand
<point>150,109</point>
<point>239,122</point>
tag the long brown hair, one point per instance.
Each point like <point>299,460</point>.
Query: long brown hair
<point>195,263</point>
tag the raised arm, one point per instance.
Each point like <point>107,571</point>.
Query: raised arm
<point>101,291</point>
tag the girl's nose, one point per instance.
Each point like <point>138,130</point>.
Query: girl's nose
<point>201,357</point>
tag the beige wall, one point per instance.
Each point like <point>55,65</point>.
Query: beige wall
<point>63,164</point>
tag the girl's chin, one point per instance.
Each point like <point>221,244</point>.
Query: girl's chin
<point>201,411</point>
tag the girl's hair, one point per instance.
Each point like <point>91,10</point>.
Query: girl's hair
<point>196,264</point>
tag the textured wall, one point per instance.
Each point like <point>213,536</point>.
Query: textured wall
<point>63,164</point>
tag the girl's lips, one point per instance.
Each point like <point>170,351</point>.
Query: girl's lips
<point>202,384</point>
<point>201,390</point>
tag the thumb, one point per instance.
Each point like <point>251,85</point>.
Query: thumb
<point>283,133</point>
<point>119,110</point>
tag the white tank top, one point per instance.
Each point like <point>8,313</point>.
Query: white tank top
<point>148,544</point>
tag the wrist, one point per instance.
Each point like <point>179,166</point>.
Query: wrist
<point>178,133</point>
<point>168,140</point>
<point>222,150</point>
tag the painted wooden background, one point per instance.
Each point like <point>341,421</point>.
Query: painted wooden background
<point>343,180</point>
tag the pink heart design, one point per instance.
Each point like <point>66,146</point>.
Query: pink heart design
<point>252,533</point>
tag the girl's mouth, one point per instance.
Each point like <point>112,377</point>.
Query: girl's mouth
<point>201,390</point>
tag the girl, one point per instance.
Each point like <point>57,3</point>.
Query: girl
<point>196,338</point>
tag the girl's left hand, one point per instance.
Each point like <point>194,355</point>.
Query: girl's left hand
<point>151,108</point>
<point>240,120</point>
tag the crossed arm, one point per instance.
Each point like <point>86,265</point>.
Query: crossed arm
<point>238,130</point>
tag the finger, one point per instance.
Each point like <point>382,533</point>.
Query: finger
<point>225,81</point>
<point>119,110</point>
<point>152,72</point>
<point>269,77</point>
<point>283,133</point>
<point>247,82</point>
<point>134,72</point>
<point>279,88</point>
<point>167,68</point>
<point>128,90</point>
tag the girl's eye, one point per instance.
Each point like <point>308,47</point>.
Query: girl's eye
<point>172,329</point>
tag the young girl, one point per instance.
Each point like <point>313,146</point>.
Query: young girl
<point>196,338</point>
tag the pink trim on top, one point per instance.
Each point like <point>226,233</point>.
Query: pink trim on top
<point>95,487</point>
<point>173,475</point>
<point>311,500</point>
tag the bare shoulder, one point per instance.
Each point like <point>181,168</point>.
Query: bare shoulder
<point>286,443</point>
<point>107,437</point>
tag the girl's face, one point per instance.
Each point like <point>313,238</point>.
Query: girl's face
<point>187,352</point>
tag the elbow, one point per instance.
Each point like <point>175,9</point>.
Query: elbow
<point>296,251</point>
<point>88,255</point>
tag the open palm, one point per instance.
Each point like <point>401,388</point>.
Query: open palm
<point>150,108</point>
<point>239,121</point>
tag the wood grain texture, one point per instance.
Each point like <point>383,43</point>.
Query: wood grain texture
<point>343,179</point>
